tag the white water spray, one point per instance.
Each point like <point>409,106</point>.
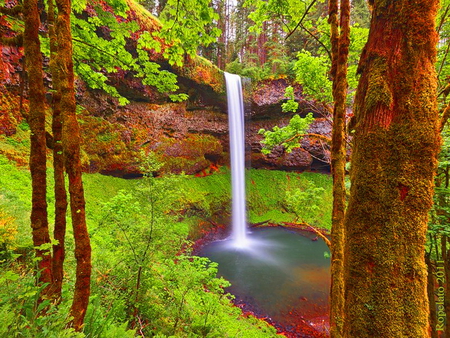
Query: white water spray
<point>237,155</point>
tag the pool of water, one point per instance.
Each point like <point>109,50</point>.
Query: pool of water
<point>283,275</point>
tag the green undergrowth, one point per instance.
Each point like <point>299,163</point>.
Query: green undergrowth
<point>144,278</point>
<point>268,196</point>
<point>138,229</point>
<point>271,197</point>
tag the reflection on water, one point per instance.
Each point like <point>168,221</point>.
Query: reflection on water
<point>281,273</point>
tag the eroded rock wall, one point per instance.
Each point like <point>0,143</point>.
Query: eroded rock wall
<point>192,136</point>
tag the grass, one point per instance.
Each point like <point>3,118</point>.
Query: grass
<point>266,193</point>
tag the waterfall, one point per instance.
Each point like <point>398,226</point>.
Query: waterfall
<point>237,155</point>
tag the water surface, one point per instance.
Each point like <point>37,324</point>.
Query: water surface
<point>282,275</point>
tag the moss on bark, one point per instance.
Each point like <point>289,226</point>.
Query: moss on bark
<point>393,163</point>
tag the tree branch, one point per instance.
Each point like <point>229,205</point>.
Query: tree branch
<point>301,20</point>
<point>443,60</point>
<point>318,40</point>
<point>305,226</point>
<point>443,17</point>
<point>319,136</point>
<point>445,117</point>
<point>321,235</point>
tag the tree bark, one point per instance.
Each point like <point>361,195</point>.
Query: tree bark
<point>394,159</point>
<point>431,295</point>
<point>36,120</point>
<point>58,161</point>
<point>338,160</point>
<point>71,148</point>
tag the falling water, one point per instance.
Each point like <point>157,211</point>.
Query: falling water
<point>237,154</point>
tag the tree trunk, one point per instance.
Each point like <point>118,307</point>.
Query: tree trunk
<point>36,120</point>
<point>261,48</point>
<point>431,295</point>
<point>446,260</point>
<point>338,160</point>
<point>396,143</point>
<point>71,148</point>
<point>58,161</point>
<point>222,39</point>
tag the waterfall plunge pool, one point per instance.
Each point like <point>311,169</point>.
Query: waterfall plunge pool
<point>283,275</point>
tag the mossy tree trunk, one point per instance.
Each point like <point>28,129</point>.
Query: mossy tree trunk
<point>38,149</point>
<point>396,143</point>
<point>71,149</point>
<point>58,160</point>
<point>340,40</point>
<point>431,295</point>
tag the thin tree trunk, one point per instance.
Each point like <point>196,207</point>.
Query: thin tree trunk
<point>445,258</point>
<point>71,148</point>
<point>36,120</point>
<point>431,295</point>
<point>261,48</point>
<point>338,160</point>
<point>58,161</point>
<point>394,159</point>
<point>222,39</point>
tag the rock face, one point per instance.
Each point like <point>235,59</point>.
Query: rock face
<point>192,137</point>
<point>264,111</point>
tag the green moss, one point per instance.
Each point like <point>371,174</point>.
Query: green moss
<point>191,155</point>
<point>267,192</point>
<point>378,90</point>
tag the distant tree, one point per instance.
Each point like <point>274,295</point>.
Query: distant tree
<point>395,145</point>
<point>360,13</point>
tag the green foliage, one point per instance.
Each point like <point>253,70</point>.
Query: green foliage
<point>15,198</point>
<point>290,105</point>
<point>443,64</point>
<point>312,69</point>
<point>251,71</point>
<point>99,54</point>
<point>23,126</point>
<point>305,202</point>
<point>267,191</point>
<point>22,315</point>
<point>289,12</point>
<point>360,13</point>
<point>312,74</point>
<point>278,67</point>
<point>358,39</point>
<point>288,136</point>
<point>440,214</point>
<point>186,26</point>
<point>178,294</point>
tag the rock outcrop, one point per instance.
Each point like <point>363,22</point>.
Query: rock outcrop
<point>190,137</point>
